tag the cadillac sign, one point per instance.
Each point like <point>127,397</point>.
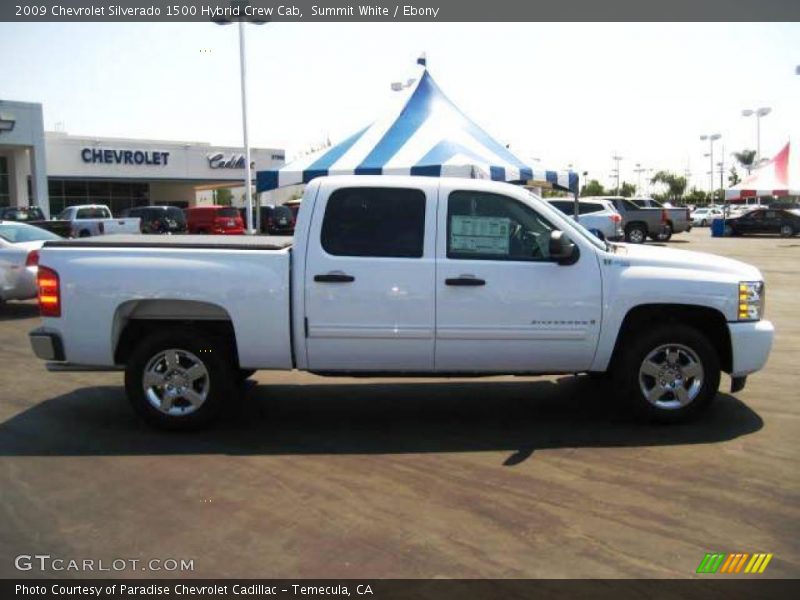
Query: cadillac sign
<point>218,160</point>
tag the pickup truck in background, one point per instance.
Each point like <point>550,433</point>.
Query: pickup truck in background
<point>87,220</point>
<point>657,223</point>
<point>33,215</point>
<point>400,276</point>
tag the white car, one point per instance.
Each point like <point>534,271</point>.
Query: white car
<point>96,219</point>
<point>702,217</point>
<point>19,247</point>
<point>392,275</point>
<point>595,215</point>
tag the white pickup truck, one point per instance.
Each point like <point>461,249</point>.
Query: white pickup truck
<point>400,276</point>
<point>95,219</point>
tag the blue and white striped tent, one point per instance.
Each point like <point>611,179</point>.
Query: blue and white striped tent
<point>426,134</point>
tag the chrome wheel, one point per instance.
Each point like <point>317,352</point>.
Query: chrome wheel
<point>636,236</point>
<point>175,382</point>
<point>671,376</point>
<point>786,230</point>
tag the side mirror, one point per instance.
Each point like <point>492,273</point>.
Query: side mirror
<point>562,249</point>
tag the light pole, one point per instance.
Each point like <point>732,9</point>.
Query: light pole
<point>639,170</point>
<point>616,160</point>
<point>758,112</point>
<point>711,137</point>
<point>248,181</point>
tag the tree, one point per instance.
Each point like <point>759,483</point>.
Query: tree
<point>627,190</point>
<point>733,177</point>
<point>746,158</point>
<point>223,196</point>
<point>593,188</point>
<point>696,197</point>
<point>676,185</point>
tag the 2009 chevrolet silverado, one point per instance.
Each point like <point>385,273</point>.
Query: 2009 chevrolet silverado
<point>400,275</point>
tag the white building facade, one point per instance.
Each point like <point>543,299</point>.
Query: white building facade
<point>55,170</point>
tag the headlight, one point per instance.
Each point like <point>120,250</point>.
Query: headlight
<point>751,300</point>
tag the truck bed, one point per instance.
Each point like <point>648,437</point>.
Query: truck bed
<point>209,242</point>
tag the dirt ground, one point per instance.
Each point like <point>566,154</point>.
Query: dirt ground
<point>329,478</point>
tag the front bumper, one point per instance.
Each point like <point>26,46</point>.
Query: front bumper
<point>750,346</point>
<point>46,344</point>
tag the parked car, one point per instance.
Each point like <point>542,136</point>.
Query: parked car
<point>96,219</point>
<point>647,203</point>
<point>294,206</point>
<point>765,220</point>
<point>33,215</point>
<point>159,219</point>
<point>703,216</point>
<point>656,223</point>
<point>401,275</point>
<point>19,255</point>
<point>219,220</point>
<point>595,215</point>
<point>274,220</point>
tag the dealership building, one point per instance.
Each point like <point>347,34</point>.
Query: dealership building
<point>54,170</point>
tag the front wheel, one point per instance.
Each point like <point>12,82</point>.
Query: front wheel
<point>787,231</point>
<point>635,234</point>
<point>703,223</point>
<point>670,374</point>
<point>180,380</point>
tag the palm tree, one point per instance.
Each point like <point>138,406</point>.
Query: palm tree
<point>746,158</point>
<point>676,186</point>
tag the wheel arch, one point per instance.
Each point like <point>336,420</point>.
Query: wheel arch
<point>709,321</point>
<point>136,319</point>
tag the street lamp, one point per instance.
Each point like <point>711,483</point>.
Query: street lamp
<point>711,137</point>
<point>639,170</point>
<point>616,159</point>
<point>758,112</point>
<point>248,182</point>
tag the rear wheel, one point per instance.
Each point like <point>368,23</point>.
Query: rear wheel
<point>180,380</point>
<point>664,235</point>
<point>668,375</point>
<point>635,233</point>
<point>703,223</point>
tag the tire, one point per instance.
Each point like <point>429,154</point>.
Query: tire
<point>667,359</point>
<point>214,388</point>
<point>786,231</point>
<point>84,233</point>
<point>729,231</point>
<point>635,234</point>
<point>703,223</point>
<point>664,235</point>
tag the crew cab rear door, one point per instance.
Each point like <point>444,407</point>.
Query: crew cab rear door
<point>369,278</point>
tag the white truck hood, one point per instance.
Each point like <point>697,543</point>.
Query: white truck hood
<point>658,256</point>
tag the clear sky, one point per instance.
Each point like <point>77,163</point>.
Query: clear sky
<point>563,93</point>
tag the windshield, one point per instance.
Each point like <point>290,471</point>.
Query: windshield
<point>596,241</point>
<point>20,232</point>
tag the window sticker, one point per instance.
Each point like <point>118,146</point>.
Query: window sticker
<point>480,235</point>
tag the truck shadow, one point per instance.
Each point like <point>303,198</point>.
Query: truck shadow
<point>370,418</point>
<point>13,311</point>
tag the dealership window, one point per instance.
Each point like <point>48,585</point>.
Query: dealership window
<point>117,195</point>
<point>485,226</point>
<point>5,196</point>
<point>386,222</point>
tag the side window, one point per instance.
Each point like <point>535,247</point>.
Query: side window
<point>487,226</point>
<point>562,205</point>
<point>584,208</point>
<point>382,222</point>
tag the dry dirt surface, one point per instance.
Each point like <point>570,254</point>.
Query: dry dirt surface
<point>328,478</point>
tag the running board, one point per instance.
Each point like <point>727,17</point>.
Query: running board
<point>62,367</point>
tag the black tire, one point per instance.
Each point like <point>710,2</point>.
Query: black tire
<point>787,231</point>
<point>84,233</point>
<point>221,379</point>
<point>635,233</point>
<point>667,409</point>
<point>664,235</point>
<point>703,223</point>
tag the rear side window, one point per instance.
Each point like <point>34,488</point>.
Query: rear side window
<point>228,212</point>
<point>384,222</point>
<point>586,208</point>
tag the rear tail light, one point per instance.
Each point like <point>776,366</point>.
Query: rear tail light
<point>49,292</point>
<point>33,259</point>
<point>616,218</point>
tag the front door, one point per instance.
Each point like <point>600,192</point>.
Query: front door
<point>370,280</point>
<point>502,304</point>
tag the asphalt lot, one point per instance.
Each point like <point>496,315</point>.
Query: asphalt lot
<point>500,477</point>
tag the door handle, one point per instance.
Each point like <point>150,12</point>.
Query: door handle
<point>464,281</point>
<point>334,278</point>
